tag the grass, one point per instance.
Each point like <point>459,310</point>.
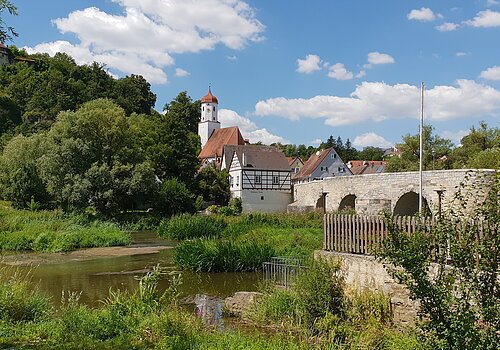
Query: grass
<point>214,255</point>
<point>53,231</point>
<point>241,243</point>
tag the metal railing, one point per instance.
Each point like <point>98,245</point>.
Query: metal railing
<point>283,271</point>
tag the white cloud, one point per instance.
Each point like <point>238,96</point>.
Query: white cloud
<point>492,3</point>
<point>454,136</point>
<point>248,128</point>
<point>486,19</point>
<point>316,142</point>
<point>179,72</point>
<point>379,58</point>
<point>461,54</point>
<point>371,139</point>
<point>492,73</point>
<point>232,57</point>
<point>339,72</point>
<point>378,101</point>
<point>424,14</point>
<point>361,74</point>
<point>311,63</point>
<point>447,27</point>
<point>149,31</point>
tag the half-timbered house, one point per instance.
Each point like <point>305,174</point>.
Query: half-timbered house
<point>260,176</point>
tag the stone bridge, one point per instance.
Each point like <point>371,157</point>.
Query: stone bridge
<point>397,192</point>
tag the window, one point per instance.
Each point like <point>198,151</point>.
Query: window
<point>261,198</point>
<point>237,180</point>
<point>258,179</point>
<point>334,155</point>
<point>276,180</point>
<point>231,181</point>
<point>324,168</point>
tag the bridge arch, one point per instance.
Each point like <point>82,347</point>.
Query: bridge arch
<point>407,204</point>
<point>348,202</point>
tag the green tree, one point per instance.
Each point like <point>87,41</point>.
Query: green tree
<point>183,108</point>
<point>20,179</point>
<point>371,153</point>
<point>6,32</point>
<point>477,148</point>
<point>452,269</point>
<point>436,152</point>
<point>10,114</point>
<point>133,94</point>
<point>175,198</point>
<point>213,185</point>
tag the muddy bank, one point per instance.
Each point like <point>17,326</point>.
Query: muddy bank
<point>33,259</point>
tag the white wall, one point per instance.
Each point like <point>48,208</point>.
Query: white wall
<point>273,201</point>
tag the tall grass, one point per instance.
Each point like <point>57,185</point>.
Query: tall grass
<point>218,255</point>
<point>187,226</point>
<point>52,231</point>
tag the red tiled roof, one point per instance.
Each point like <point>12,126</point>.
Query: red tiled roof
<point>312,163</point>
<point>209,98</point>
<point>221,137</point>
<point>359,167</point>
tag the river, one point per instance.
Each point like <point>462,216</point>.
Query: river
<point>95,271</point>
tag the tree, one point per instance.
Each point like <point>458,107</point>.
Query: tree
<point>436,152</point>
<point>213,185</point>
<point>133,94</point>
<point>477,148</point>
<point>10,114</point>
<point>183,108</point>
<point>175,198</point>
<point>6,32</point>
<point>452,269</point>
<point>371,153</point>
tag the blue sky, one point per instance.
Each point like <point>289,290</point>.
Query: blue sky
<point>293,71</point>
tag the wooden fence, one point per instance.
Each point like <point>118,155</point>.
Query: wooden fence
<point>360,234</point>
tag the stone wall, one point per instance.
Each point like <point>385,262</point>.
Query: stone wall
<point>364,272</point>
<point>376,192</point>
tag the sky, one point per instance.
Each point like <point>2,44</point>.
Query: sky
<point>293,71</point>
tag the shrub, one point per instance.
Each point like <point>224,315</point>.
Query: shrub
<point>19,302</point>
<point>188,226</point>
<point>175,198</point>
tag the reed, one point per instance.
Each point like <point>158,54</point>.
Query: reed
<point>187,226</point>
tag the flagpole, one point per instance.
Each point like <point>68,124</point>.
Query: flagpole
<point>421,164</point>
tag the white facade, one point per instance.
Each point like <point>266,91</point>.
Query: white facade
<point>260,190</point>
<point>209,121</point>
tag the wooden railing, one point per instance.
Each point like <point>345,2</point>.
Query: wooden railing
<point>361,234</point>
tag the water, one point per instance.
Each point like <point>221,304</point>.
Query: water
<point>94,275</point>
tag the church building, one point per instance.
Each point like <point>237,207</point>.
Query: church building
<point>259,175</point>
<point>213,137</point>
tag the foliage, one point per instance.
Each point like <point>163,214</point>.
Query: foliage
<point>52,231</point>
<point>300,151</point>
<point>221,256</point>
<point>55,84</point>
<point>174,198</point>
<point>6,32</point>
<point>459,294</point>
<point>10,115</point>
<point>183,108</point>
<point>319,309</point>
<point>187,226</point>
<point>478,149</point>
<point>19,302</point>
<point>436,151</point>
<point>345,151</point>
<point>371,153</point>
<point>213,185</point>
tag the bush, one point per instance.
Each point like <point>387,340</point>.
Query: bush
<point>188,226</point>
<point>217,256</point>
<point>175,198</point>
<point>19,302</point>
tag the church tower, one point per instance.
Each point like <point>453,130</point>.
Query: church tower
<point>209,117</point>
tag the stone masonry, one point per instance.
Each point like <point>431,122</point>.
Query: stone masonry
<point>376,192</point>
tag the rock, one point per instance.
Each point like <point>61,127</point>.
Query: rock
<point>241,301</point>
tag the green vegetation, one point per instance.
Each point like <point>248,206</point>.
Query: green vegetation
<point>243,242</point>
<point>6,32</point>
<point>459,299</point>
<point>318,310</point>
<point>145,319</point>
<point>53,231</point>
<point>222,256</point>
<point>188,226</point>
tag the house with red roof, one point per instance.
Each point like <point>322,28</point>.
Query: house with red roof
<point>320,165</point>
